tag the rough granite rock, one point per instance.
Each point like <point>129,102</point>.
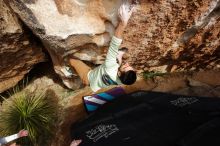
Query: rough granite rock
<point>173,36</point>
<point>18,52</point>
<point>162,35</point>
<point>70,27</point>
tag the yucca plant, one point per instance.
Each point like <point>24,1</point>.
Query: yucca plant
<point>36,113</point>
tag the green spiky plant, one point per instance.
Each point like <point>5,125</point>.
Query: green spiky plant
<point>36,113</point>
<point>152,74</point>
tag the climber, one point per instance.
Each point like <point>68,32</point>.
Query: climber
<point>5,140</point>
<point>110,72</point>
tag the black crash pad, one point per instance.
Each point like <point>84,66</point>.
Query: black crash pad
<point>152,119</point>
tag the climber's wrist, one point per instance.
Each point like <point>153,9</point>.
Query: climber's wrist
<point>122,25</point>
<point>119,30</point>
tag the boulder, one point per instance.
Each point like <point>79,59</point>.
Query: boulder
<point>162,35</point>
<point>18,51</point>
<point>174,36</point>
<point>70,27</point>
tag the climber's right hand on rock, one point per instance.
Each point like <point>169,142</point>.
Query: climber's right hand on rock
<point>125,12</point>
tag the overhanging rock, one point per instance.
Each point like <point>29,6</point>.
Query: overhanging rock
<point>70,27</point>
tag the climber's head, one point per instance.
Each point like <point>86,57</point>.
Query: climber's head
<point>127,74</point>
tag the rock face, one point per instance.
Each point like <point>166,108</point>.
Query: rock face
<point>175,35</point>
<point>162,35</point>
<point>79,28</point>
<point>18,52</point>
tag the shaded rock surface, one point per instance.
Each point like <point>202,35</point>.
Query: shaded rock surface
<point>180,83</point>
<point>162,35</point>
<point>18,51</point>
<point>203,83</point>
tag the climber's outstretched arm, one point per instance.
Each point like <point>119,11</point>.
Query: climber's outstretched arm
<point>21,133</point>
<point>124,14</point>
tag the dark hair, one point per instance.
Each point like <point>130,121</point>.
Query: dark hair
<point>128,77</point>
<point>124,49</point>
